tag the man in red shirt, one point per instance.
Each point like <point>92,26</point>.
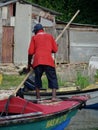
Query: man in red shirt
<point>41,47</point>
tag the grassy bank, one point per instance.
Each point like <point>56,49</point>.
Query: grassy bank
<point>12,81</point>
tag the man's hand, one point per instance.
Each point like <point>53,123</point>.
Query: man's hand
<point>29,63</point>
<point>29,67</point>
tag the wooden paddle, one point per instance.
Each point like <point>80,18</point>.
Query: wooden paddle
<point>20,85</point>
<point>65,30</point>
<point>67,25</point>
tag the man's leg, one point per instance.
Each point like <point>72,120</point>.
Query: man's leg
<point>38,83</point>
<point>52,80</point>
<point>53,94</point>
<point>37,93</point>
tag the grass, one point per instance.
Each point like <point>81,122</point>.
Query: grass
<point>82,81</point>
<point>12,81</point>
<point>96,75</point>
<point>45,82</point>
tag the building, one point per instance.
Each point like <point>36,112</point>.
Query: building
<point>78,43</point>
<point>17,18</point>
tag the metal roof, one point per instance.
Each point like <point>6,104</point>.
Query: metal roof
<point>7,2</point>
<point>76,24</point>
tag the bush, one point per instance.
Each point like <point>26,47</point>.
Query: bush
<point>82,81</point>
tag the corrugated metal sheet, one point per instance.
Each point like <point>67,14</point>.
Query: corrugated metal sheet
<point>62,54</point>
<point>7,3</point>
<point>83,45</point>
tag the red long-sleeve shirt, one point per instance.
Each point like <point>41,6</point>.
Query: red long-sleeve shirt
<point>42,46</point>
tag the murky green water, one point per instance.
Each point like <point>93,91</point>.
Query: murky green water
<point>84,120</point>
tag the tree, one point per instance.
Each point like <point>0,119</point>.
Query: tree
<point>88,9</point>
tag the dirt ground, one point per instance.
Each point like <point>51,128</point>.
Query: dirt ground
<point>5,93</point>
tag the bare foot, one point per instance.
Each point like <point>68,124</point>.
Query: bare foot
<point>54,99</point>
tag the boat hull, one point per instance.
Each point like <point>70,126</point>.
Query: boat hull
<point>54,122</point>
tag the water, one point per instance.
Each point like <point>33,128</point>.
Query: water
<point>84,120</point>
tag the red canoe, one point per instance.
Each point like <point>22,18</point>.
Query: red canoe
<point>17,113</point>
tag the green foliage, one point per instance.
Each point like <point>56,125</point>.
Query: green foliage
<point>45,82</point>
<point>88,9</point>
<point>82,81</point>
<point>61,82</point>
<point>96,75</point>
<point>10,81</point>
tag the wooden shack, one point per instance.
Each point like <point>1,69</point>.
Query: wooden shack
<point>78,43</point>
<point>17,18</point>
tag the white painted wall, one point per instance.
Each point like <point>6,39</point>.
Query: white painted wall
<point>22,37</point>
<point>23,31</point>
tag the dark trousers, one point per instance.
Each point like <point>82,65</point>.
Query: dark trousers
<point>50,73</point>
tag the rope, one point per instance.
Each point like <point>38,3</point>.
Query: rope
<point>5,110</point>
<point>24,107</point>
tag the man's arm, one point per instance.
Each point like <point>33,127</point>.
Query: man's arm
<point>30,53</point>
<point>29,61</point>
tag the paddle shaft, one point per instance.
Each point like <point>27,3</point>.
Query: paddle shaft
<point>14,93</point>
<point>53,55</point>
<point>67,25</point>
